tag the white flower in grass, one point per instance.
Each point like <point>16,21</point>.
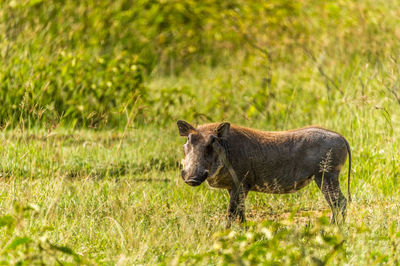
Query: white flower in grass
<point>232,235</point>
<point>266,232</point>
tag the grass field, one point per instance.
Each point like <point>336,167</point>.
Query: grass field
<point>115,196</point>
<point>90,152</point>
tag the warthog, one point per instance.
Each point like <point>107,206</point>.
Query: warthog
<point>242,159</point>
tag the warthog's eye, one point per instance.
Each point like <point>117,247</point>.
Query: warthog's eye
<point>211,140</point>
<point>208,150</point>
<point>192,139</point>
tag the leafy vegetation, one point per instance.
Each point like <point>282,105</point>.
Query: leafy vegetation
<point>25,250</point>
<point>90,92</point>
<point>87,64</point>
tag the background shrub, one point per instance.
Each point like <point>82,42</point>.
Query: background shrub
<point>87,63</point>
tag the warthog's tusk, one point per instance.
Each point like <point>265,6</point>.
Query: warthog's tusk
<point>222,156</point>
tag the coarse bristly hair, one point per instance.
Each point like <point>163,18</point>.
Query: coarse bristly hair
<point>325,165</point>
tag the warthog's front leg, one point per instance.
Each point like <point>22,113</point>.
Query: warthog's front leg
<point>236,205</point>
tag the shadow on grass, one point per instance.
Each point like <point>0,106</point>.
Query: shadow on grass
<point>7,173</point>
<point>123,169</point>
<point>96,171</point>
<point>69,139</point>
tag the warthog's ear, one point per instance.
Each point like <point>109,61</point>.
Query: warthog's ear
<point>184,128</point>
<point>222,129</point>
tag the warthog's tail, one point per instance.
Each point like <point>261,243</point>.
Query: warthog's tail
<point>348,174</point>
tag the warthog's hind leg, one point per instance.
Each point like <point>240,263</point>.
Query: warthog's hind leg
<point>328,183</point>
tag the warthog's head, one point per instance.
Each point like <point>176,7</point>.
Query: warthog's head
<point>201,160</point>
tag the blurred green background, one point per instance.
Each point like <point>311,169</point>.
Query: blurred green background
<point>100,64</point>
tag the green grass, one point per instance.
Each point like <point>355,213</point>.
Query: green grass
<point>90,152</point>
<point>116,196</point>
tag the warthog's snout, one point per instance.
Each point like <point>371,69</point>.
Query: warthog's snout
<point>195,180</point>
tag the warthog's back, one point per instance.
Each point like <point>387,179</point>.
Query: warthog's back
<point>282,161</point>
